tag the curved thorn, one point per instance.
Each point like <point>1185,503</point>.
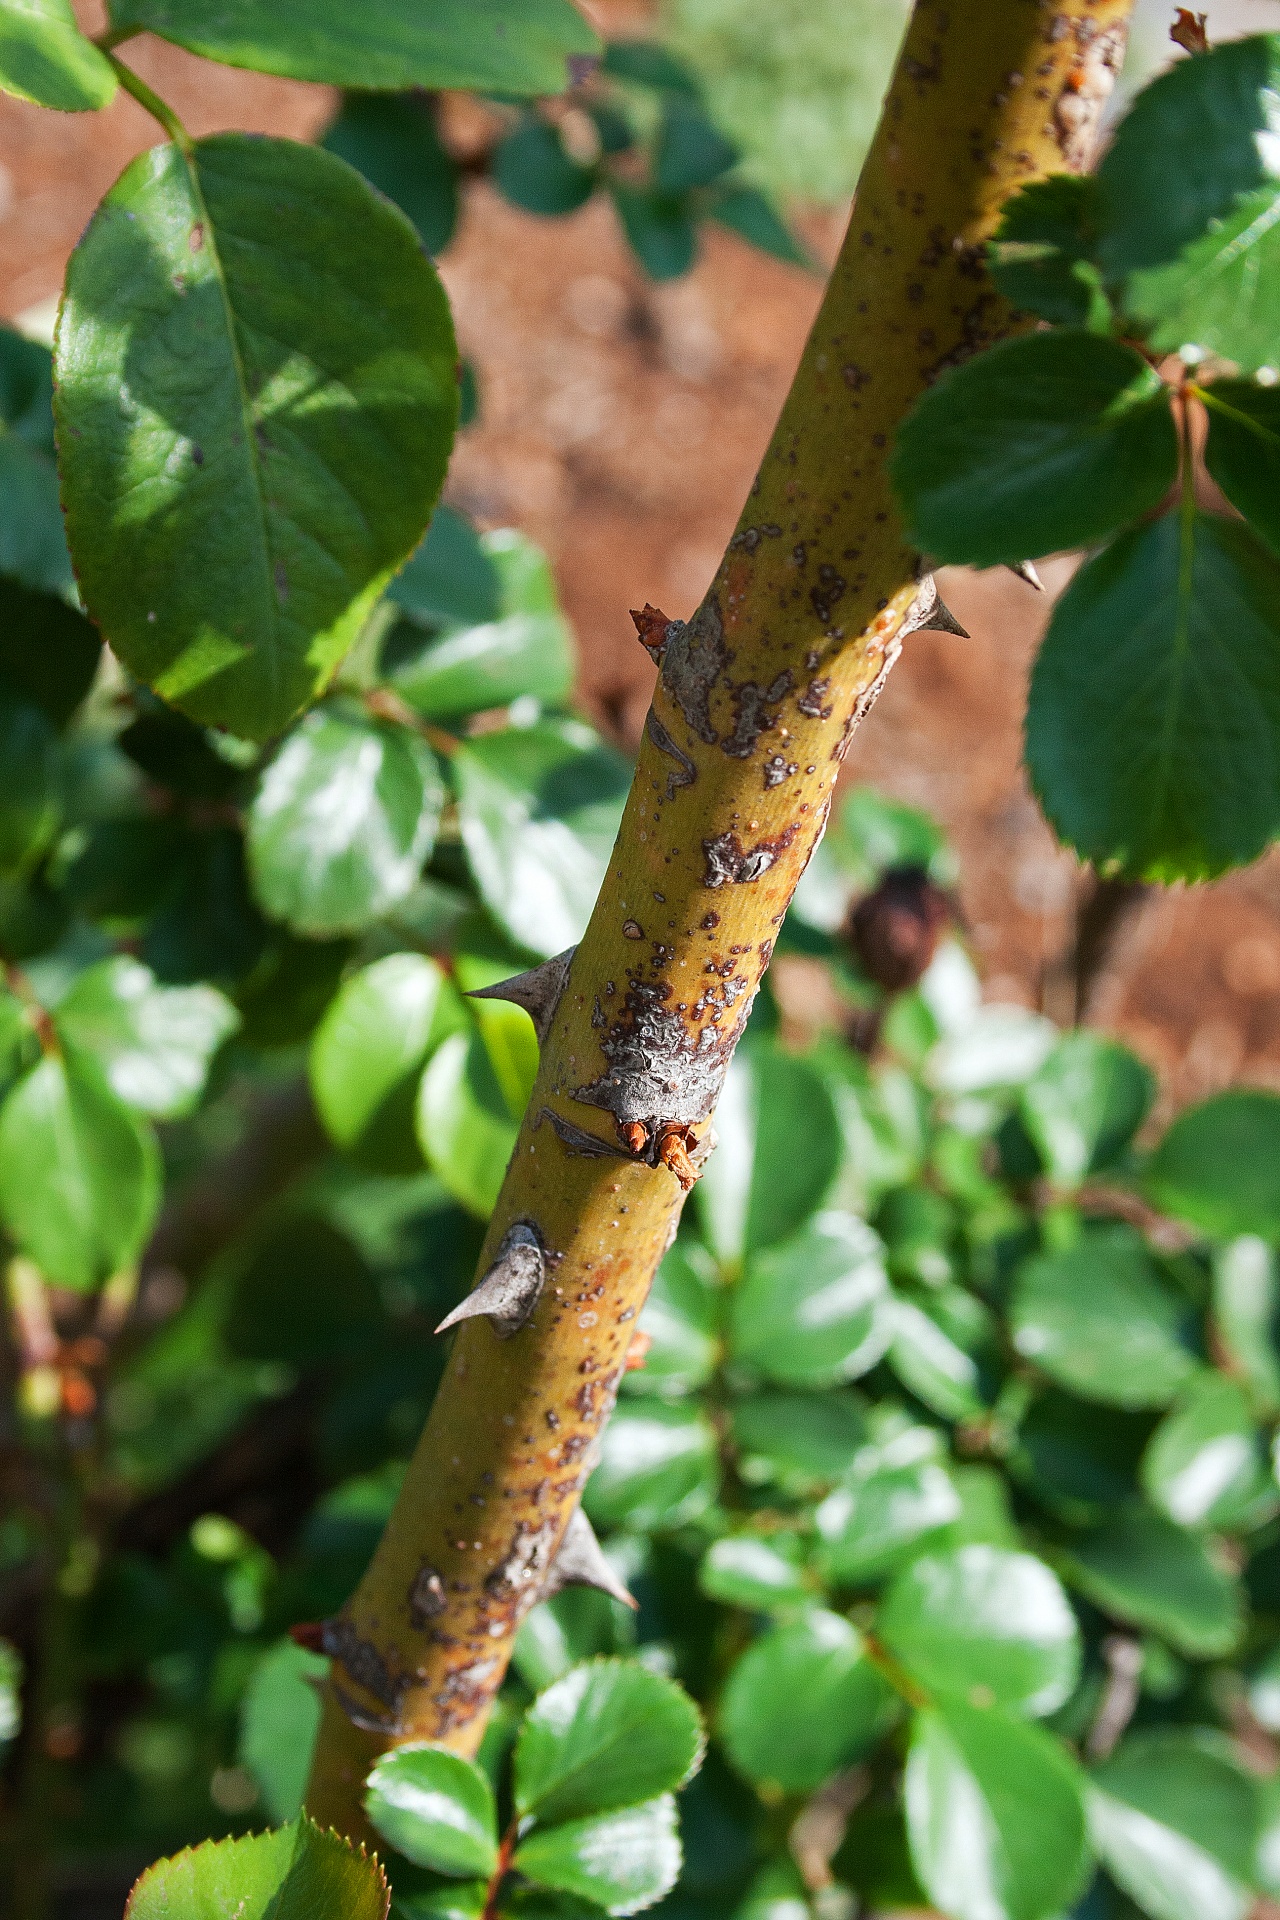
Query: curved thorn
<point>927,614</point>
<point>582,1562</point>
<point>508,1293</point>
<point>537,991</point>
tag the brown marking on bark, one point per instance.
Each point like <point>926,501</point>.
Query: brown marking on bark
<point>684,773</point>
<point>658,1071</point>
<point>693,659</point>
<point>730,864</point>
<point>427,1597</point>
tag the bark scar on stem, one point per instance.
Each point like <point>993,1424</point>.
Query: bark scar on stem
<point>730,864</point>
<point>658,1073</point>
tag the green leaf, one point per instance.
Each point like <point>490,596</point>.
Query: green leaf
<point>393,142</point>
<point>1223,295</point>
<point>1173,1819</point>
<point>1218,1166</point>
<point>1206,1465</point>
<point>802,1440</point>
<point>45,58</point>
<point>1085,1104</point>
<point>1242,451</point>
<point>49,653</point>
<point>288,362</point>
<point>1215,113</point>
<point>344,818</point>
<point>1154,708</point>
<point>994,1815</point>
<point>294,1873</point>
<point>758,1570</point>
<point>894,1495</point>
<point>647,63</point>
<point>681,1318</point>
<point>1144,1570</point>
<point>527,649</point>
<point>279,1720</point>
<point>495,46</point>
<point>780,1147</point>
<point>436,1808</point>
<point>809,1312</point>
<point>622,1861</point>
<point>658,1467</point>
<point>533,170</point>
<point>754,218</point>
<point>929,1363</point>
<point>985,1625</point>
<point>659,230</point>
<point>1246,1313</point>
<point>1048,441</point>
<point>1042,251</point>
<point>374,1037</point>
<point>609,1735</point>
<point>690,151</point>
<point>153,1043</point>
<point>1100,1318</point>
<point>539,809</point>
<point>802,1701</point>
<point>452,579</point>
<point>33,545</point>
<point>79,1173</point>
<point>30,796</point>
<point>467,1123</point>
<point>1080,1459</point>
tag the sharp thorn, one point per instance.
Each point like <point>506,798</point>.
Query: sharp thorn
<point>537,991</point>
<point>508,1293</point>
<point>942,620</point>
<point>582,1562</point>
<point>1025,571</point>
<point>928,614</point>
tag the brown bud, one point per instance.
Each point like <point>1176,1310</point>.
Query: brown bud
<point>651,625</point>
<point>308,1634</point>
<point>634,1135</point>
<point>894,931</point>
<point>1188,31</point>
<point>674,1147</point>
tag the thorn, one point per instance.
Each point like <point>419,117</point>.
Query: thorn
<point>927,614</point>
<point>582,1562</point>
<point>1025,571</point>
<point>651,625</point>
<point>537,991</point>
<point>509,1291</point>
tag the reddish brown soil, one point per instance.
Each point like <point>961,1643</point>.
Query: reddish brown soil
<point>620,425</point>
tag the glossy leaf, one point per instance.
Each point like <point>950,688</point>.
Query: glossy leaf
<point>1102,1320</point>
<point>622,1861</point>
<point>393,142</point>
<point>346,814</point>
<point>491,45</point>
<point>435,1808</point>
<point>154,1043</point>
<point>1045,442</point>
<point>798,1439</point>
<point>539,809</point>
<point>279,1719</point>
<point>45,58</point>
<point>994,1815</point>
<point>1154,709</point>
<point>467,1123</point>
<point>1206,1464</point>
<point>33,546</point>
<point>1218,1165</point>
<point>1246,1312</point>
<point>1242,451</point>
<point>1085,1104</point>
<point>79,1174</point>
<point>1173,1819</point>
<point>1215,113</point>
<point>984,1625</point>
<point>1042,251</point>
<point>680,1318</point>
<point>809,1312</point>
<point>293,1873</point>
<point>1222,296</point>
<point>609,1735</point>
<point>374,1036</point>
<point>930,1363</point>
<point>1145,1570</point>
<point>895,1494</point>
<point>802,1701</point>
<point>657,1469</point>
<point>760,1570</point>
<point>289,363</point>
<point>780,1147</point>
